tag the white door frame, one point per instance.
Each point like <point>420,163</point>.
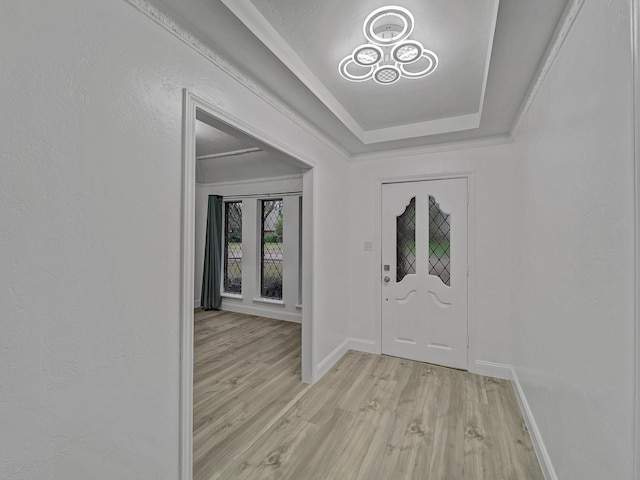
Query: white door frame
<point>191,102</point>
<point>471,245</point>
<point>635,54</point>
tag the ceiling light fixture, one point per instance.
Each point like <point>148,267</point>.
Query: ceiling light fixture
<point>389,55</point>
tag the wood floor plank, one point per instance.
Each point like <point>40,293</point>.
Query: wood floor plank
<point>371,417</point>
<point>246,369</point>
<point>275,453</point>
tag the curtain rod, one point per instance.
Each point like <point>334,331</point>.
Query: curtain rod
<point>229,154</point>
<point>260,195</point>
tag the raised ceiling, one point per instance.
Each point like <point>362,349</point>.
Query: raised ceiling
<point>292,47</point>
<point>312,37</point>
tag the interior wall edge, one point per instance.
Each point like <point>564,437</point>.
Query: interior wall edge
<point>635,55</point>
<point>187,267</point>
<point>555,45</point>
<point>309,229</point>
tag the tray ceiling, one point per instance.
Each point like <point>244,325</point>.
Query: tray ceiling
<point>525,35</point>
<point>311,38</point>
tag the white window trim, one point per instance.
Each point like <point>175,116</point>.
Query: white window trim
<point>269,301</point>
<point>235,296</point>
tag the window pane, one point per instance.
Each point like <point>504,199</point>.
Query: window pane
<point>406,241</point>
<point>233,247</point>
<point>439,242</point>
<point>271,250</point>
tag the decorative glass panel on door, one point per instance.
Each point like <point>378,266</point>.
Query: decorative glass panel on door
<point>406,241</point>
<point>439,242</point>
<point>233,247</point>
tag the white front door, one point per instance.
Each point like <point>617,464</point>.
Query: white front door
<point>424,271</point>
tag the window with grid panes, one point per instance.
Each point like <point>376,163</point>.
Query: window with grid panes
<point>271,252</point>
<point>232,260</point>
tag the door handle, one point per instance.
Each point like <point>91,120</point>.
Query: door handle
<point>386,279</point>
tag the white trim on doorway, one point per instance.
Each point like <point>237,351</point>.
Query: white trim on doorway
<point>187,257</point>
<point>635,55</point>
<point>192,103</point>
<point>471,246</point>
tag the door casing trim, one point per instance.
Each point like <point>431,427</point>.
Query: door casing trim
<point>191,103</point>
<point>635,57</point>
<point>470,176</point>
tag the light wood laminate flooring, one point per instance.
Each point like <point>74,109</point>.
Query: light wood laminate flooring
<point>371,417</point>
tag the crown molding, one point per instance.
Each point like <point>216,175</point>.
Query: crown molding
<point>248,14</point>
<point>166,22</point>
<point>569,16</point>
<point>428,149</point>
<point>487,63</point>
<point>419,129</point>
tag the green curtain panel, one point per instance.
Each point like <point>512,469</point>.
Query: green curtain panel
<point>212,270</point>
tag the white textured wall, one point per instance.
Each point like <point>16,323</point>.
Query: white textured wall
<point>493,169</point>
<point>573,291</point>
<point>90,202</point>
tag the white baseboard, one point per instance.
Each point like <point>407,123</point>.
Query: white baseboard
<point>361,345</point>
<point>507,372</point>
<point>491,369</point>
<point>330,360</point>
<point>197,303</point>
<point>295,317</point>
<point>538,445</point>
<point>350,343</point>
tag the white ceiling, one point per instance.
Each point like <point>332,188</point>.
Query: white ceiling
<point>223,154</point>
<point>311,38</point>
<point>212,141</point>
<point>392,116</point>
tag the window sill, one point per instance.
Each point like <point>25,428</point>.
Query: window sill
<point>235,296</point>
<point>269,301</point>
<point>299,306</point>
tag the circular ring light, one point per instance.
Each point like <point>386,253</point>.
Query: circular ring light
<point>387,74</point>
<point>343,69</point>
<point>433,64</point>
<point>392,12</point>
<point>367,54</point>
<point>389,54</point>
<point>408,51</point>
